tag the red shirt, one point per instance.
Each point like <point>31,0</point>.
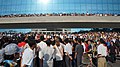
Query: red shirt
<point>22,44</point>
<point>86,46</point>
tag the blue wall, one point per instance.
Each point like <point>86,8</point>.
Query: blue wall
<point>58,6</point>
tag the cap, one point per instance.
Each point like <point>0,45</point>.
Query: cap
<point>12,49</point>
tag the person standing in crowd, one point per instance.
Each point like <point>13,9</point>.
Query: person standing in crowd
<point>90,47</point>
<point>107,43</point>
<point>83,44</point>
<point>73,52</point>
<point>68,53</point>
<point>102,53</point>
<point>48,55</point>
<point>112,51</point>
<point>11,54</point>
<point>22,43</point>
<point>6,41</point>
<point>79,53</point>
<point>59,49</point>
<point>117,43</point>
<point>41,46</point>
<point>29,55</point>
<point>85,55</point>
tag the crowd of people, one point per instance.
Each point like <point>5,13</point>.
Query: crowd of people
<point>58,50</point>
<point>57,14</point>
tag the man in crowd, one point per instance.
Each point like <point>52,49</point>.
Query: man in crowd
<point>41,46</point>
<point>59,49</point>
<point>48,55</point>
<point>68,53</point>
<point>102,53</point>
<point>11,54</point>
<point>29,55</point>
<point>112,52</point>
<point>79,53</point>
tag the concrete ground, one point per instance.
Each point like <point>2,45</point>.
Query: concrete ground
<point>117,64</point>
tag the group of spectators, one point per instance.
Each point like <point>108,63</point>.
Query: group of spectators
<point>57,14</point>
<point>58,50</point>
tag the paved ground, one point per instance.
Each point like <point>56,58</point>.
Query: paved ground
<point>117,64</point>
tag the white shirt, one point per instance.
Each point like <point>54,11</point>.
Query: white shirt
<point>84,47</point>
<point>42,45</point>
<point>101,49</point>
<point>26,46</point>
<point>68,48</point>
<point>48,54</point>
<point>114,40</point>
<point>59,52</point>
<point>27,58</point>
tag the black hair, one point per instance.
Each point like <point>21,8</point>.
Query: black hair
<point>8,57</point>
<point>31,42</point>
<point>79,40</point>
<point>76,39</point>
<point>48,42</point>
<point>82,40</point>
<point>66,40</point>
<point>102,41</point>
<point>42,38</point>
<point>5,39</point>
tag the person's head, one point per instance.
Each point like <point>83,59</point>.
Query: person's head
<point>48,42</point>
<point>79,41</point>
<point>89,42</point>
<point>102,41</point>
<point>66,40</point>
<point>57,42</point>
<point>12,51</point>
<point>5,39</point>
<point>32,43</point>
<point>42,38</point>
<point>85,42</point>
<point>75,40</point>
<point>60,40</point>
<point>111,43</point>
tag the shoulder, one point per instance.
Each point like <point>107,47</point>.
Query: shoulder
<point>42,42</point>
<point>62,45</point>
<point>27,50</point>
<point>99,46</point>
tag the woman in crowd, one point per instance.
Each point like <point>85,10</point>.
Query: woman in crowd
<point>112,52</point>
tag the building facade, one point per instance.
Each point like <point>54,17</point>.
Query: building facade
<point>59,6</point>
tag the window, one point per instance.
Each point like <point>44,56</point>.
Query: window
<point>70,6</point>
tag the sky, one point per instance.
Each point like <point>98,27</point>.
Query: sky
<point>58,6</point>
